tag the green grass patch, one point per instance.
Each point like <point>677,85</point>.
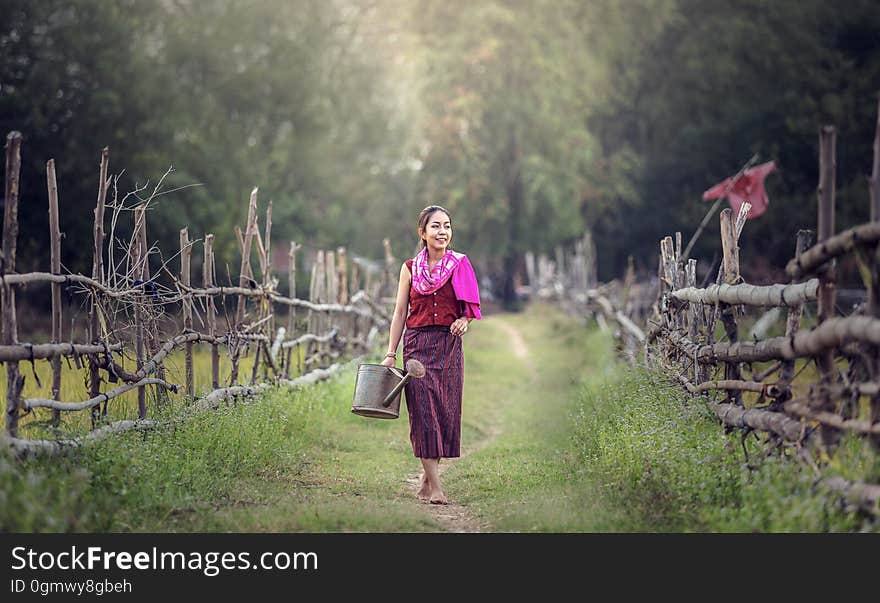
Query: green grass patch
<point>673,468</point>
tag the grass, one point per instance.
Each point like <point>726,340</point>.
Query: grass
<point>674,469</point>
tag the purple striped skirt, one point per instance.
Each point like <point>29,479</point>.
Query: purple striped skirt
<point>434,402</point>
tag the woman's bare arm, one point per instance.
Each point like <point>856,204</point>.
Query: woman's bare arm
<point>398,319</point>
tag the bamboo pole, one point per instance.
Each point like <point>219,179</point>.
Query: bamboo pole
<point>345,321</point>
<point>240,239</point>
<point>874,293</point>
<point>291,313</point>
<point>729,247</point>
<point>244,275</point>
<point>669,281</point>
<point>269,328</point>
<point>356,293</point>
<point>40,351</point>
<point>730,262</point>
<point>14,280</point>
<point>342,269</point>
<point>832,333</point>
<point>874,180</point>
<point>388,275</point>
<point>97,274</point>
<point>331,276</point>
<point>326,292</point>
<point>23,448</point>
<point>208,282</point>
<point>185,274</point>
<point>151,333</point>
<point>356,277</point>
<point>55,250</point>
<point>313,317</point>
<point>795,311</point>
<point>826,193</point>
<point>102,397</point>
<point>790,296</point>
<point>138,252</point>
<point>261,302</point>
<point>14,381</point>
<point>690,274</point>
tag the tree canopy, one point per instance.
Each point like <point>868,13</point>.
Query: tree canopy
<point>530,120</point>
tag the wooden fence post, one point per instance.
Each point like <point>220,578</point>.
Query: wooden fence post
<point>207,283</point>
<point>152,333</point>
<point>315,295</point>
<point>560,265</point>
<point>138,260</point>
<point>95,333</point>
<point>185,273</point>
<point>730,263</point>
<point>267,275</point>
<point>332,292</point>
<point>291,312</point>
<point>389,274</point>
<point>694,316</point>
<point>826,193</point>
<point>356,287</point>
<point>874,182</point>
<point>793,320</point>
<point>14,381</point>
<point>342,269</point>
<point>345,320</point>
<point>243,281</point>
<point>874,293</point>
<point>55,250</point>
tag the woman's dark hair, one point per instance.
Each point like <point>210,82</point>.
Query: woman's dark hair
<point>423,220</point>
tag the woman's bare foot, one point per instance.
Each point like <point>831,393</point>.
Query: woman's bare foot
<point>424,492</point>
<point>438,498</point>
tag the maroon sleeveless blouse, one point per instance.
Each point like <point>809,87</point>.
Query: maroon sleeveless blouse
<point>440,308</point>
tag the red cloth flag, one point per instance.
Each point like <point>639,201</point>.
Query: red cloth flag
<point>749,187</point>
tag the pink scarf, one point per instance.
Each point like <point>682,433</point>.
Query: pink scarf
<point>452,265</point>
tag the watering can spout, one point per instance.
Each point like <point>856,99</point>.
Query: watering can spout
<point>414,368</point>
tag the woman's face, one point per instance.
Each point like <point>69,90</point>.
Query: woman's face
<point>438,231</point>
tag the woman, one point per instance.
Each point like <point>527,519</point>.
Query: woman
<point>437,298</point>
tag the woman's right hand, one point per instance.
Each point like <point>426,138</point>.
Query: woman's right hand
<point>389,361</point>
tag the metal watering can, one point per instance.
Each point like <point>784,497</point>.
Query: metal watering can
<point>377,388</point>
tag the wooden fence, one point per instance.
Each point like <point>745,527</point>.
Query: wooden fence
<point>130,313</point>
<point>808,412</point>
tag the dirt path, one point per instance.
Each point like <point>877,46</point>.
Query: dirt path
<point>517,343</point>
<point>456,517</point>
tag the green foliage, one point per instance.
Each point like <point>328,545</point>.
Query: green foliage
<point>506,141</point>
<point>693,89</point>
<point>292,97</point>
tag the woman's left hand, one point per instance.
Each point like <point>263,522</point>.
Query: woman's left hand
<point>459,327</point>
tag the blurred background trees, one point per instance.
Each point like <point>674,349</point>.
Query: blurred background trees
<point>531,120</point>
